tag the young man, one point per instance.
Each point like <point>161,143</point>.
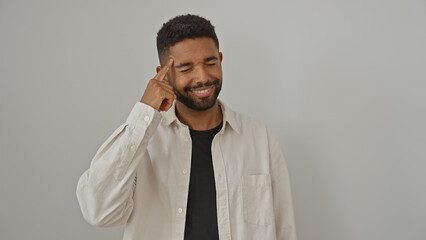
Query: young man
<point>190,168</point>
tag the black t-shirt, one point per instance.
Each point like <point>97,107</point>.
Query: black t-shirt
<point>201,215</point>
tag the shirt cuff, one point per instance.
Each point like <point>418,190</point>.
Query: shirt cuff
<point>144,117</point>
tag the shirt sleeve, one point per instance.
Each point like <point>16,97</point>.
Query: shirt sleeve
<point>281,190</point>
<point>105,190</point>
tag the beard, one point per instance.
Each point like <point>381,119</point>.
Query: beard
<point>199,104</point>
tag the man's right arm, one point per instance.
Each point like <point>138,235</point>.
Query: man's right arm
<point>105,190</point>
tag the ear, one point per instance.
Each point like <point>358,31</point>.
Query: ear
<point>158,68</point>
<point>220,57</point>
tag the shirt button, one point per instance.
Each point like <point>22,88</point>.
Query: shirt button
<point>186,139</point>
<point>184,171</point>
<point>180,210</point>
<point>146,118</point>
<point>132,148</point>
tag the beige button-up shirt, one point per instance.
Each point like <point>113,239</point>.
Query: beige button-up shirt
<point>140,177</point>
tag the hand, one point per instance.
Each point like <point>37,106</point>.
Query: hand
<point>159,94</point>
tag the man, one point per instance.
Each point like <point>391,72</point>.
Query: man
<point>190,168</point>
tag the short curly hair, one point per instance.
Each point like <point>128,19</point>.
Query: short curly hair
<point>182,27</point>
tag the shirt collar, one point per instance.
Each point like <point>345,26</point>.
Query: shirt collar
<point>229,117</point>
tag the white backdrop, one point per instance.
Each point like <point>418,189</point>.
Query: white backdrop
<point>341,83</point>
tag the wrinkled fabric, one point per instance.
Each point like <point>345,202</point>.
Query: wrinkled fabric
<point>140,177</point>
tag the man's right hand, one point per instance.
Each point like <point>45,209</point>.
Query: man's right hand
<point>159,93</point>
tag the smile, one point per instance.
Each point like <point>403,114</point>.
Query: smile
<point>203,92</point>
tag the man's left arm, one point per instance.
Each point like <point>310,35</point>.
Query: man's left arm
<point>281,190</point>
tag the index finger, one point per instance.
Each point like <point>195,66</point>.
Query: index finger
<point>162,73</point>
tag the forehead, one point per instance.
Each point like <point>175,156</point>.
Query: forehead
<point>191,50</point>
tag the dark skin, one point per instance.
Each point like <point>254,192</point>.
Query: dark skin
<point>189,63</point>
<point>159,93</point>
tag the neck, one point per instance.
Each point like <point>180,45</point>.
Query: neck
<point>199,120</point>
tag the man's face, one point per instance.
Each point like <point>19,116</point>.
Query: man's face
<point>196,75</point>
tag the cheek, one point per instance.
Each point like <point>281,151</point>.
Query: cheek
<point>181,81</point>
<point>217,72</point>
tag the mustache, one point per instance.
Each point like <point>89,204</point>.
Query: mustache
<point>199,85</point>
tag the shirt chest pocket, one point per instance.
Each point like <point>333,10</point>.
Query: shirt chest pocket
<point>257,199</point>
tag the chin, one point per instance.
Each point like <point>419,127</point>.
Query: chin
<point>199,104</point>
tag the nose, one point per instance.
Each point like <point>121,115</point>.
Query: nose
<point>201,75</point>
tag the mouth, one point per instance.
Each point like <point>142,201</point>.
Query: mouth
<point>202,92</point>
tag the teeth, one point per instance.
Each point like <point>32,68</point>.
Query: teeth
<point>202,91</point>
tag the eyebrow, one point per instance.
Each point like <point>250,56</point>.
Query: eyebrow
<point>210,58</point>
<point>185,64</point>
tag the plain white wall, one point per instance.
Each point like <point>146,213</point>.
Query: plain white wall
<point>341,83</point>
